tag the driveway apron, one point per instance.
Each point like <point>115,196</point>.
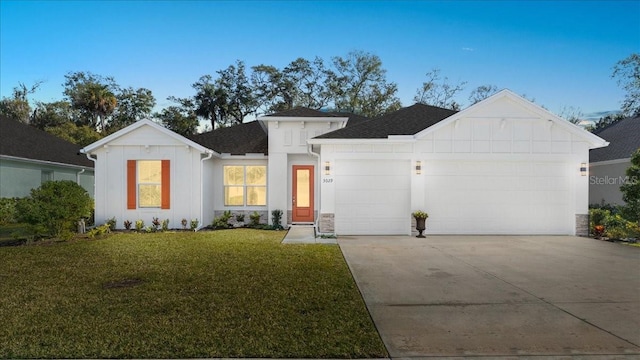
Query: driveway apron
<point>499,295</point>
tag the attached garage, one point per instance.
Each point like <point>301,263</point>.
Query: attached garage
<point>499,197</point>
<point>502,166</point>
<point>372,197</point>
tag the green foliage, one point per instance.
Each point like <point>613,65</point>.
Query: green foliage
<point>165,225</point>
<point>255,219</point>
<point>81,135</point>
<point>111,223</point>
<point>99,230</point>
<point>276,219</point>
<point>612,225</point>
<point>132,105</point>
<point>139,225</point>
<point>179,119</point>
<point>222,221</point>
<point>631,189</point>
<point>55,207</point>
<point>8,210</point>
<point>240,217</point>
<point>358,84</point>
<point>194,224</point>
<point>419,214</point>
<point>603,122</point>
<point>17,107</point>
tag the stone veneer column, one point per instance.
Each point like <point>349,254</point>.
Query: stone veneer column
<point>582,224</point>
<point>327,223</point>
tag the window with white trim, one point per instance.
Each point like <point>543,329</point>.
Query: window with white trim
<point>245,185</point>
<point>149,183</point>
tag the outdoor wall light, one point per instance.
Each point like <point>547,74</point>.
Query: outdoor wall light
<point>418,167</point>
<point>327,168</point>
<point>583,169</point>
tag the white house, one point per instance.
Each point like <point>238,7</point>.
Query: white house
<point>502,166</point>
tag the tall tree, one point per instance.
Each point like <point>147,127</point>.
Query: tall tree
<point>82,135</point>
<point>272,91</point>
<point>233,84</point>
<point>607,120</point>
<point>17,107</point>
<point>53,114</point>
<point>627,73</point>
<point>93,95</point>
<point>132,105</point>
<point>437,91</point>
<point>482,92</point>
<point>358,84</point>
<point>181,119</point>
<point>301,83</point>
<point>209,103</point>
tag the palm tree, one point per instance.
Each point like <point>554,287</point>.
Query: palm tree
<point>98,101</point>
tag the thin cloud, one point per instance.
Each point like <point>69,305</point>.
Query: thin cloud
<point>467,49</point>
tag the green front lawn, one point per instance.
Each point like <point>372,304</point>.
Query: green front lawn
<point>233,293</point>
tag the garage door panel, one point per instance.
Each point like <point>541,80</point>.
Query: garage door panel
<point>499,198</point>
<point>372,197</point>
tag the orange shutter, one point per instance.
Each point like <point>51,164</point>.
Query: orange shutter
<point>166,186</point>
<point>131,184</point>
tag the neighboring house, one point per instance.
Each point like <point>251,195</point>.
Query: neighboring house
<point>608,166</point>
<point>29,157</point>
<point>502,166</point>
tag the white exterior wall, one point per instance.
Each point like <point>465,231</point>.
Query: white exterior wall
<point>502,138</point>
<point>214,186</point>
<point>146,143</point>
<point>287,147</point>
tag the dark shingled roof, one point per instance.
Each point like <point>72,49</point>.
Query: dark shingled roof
<point>236,140</point>
<point>25,141</point>
<point>406,121</point>
<point>354,119</point>
<point>623,137</point>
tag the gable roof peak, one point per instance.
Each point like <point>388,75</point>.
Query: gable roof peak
<point>138,124</point>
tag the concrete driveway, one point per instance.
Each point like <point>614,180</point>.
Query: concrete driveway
<point>494,296</point>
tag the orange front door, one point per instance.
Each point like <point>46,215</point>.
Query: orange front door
<point>302,193</point>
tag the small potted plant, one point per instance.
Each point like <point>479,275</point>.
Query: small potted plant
<point>421,218</point>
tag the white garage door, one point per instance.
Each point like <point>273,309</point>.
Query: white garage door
<point>491,197</point>
<point>372,197</point>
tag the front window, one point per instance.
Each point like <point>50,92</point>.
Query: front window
<point>245,185</point>
<point>149,183</point>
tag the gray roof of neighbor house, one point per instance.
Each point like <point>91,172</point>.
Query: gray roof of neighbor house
<point>24,141</point>
<point>238,139</point>
<point>623,137</point>
<point>406,121</point>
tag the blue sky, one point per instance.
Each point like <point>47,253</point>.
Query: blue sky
<point>559,53</point>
